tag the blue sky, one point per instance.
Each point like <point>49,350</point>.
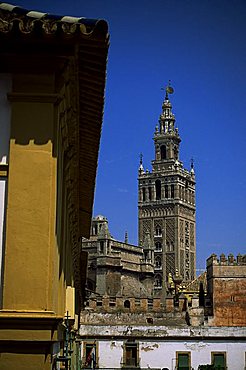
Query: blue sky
<point>201,47</point>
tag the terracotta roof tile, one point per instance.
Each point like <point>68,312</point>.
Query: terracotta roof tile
<point>69,24</point>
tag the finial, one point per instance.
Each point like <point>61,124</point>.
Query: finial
<point>141,169</point>
<point>192,166</point>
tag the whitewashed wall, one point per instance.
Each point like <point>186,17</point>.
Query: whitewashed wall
<point>160,354</point>
<point>163,354</point>
<point>5,113</point>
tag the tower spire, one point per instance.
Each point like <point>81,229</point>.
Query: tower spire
<point>167,118</point>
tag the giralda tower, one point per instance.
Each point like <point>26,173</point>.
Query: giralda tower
<point>166,204</point>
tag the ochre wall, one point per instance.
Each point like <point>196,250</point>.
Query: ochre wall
<point>229,301</point>
<point>30,234</point>
<point>227,292</point>
<point>24,361</point>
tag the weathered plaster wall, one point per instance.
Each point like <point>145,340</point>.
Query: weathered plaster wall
<point>162,353</point>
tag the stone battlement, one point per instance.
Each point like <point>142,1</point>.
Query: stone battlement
<point>222,260</point>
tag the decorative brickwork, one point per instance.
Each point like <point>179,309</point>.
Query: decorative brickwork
<point>170,263</point>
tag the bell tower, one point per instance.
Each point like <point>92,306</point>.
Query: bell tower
<point>166,203</point>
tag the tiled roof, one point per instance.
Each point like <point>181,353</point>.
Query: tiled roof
<point>28,20</point>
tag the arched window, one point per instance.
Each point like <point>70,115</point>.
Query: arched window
<point>166,191</point>
<point>163,152</point>
<point>158,189</point>
<point>158,262</point>
<point>127,304</point>
<point>158,246</point>
<point>172,191</point>
<point>158,231</point>
<point>150,193</point>
<point>144,195</point>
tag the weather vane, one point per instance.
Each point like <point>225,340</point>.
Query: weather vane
<point>168,89</point>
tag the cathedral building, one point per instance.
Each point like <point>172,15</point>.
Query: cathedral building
<point>166,205</point>
<point>117,269</point>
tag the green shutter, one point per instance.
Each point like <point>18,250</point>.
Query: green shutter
<point>183,361</point>
<point>219,361</point>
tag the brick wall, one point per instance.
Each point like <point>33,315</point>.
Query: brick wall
<point>227,290</point>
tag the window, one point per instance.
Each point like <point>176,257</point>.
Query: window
<point>144,195</point>
<point>158,246</point>
<point>166,191</point>
<point>127,304</point>
<point>90,357</point>
<point>150,193</point>
<point>219,360</point>
<point>172,191</point>
<point>131,354</point>
<point>163,152</point>
<point>158,262</point>
<point>183,360</point>
<point>158,189</point>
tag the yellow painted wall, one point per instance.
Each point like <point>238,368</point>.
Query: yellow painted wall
<point>22,361</point>
<point>30,231</point>
<point>38,262</point>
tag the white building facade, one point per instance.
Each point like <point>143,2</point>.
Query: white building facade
<point>163,347</point>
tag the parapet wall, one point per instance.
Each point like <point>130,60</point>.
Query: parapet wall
<point>222,260</point>
<point>108,304</point>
